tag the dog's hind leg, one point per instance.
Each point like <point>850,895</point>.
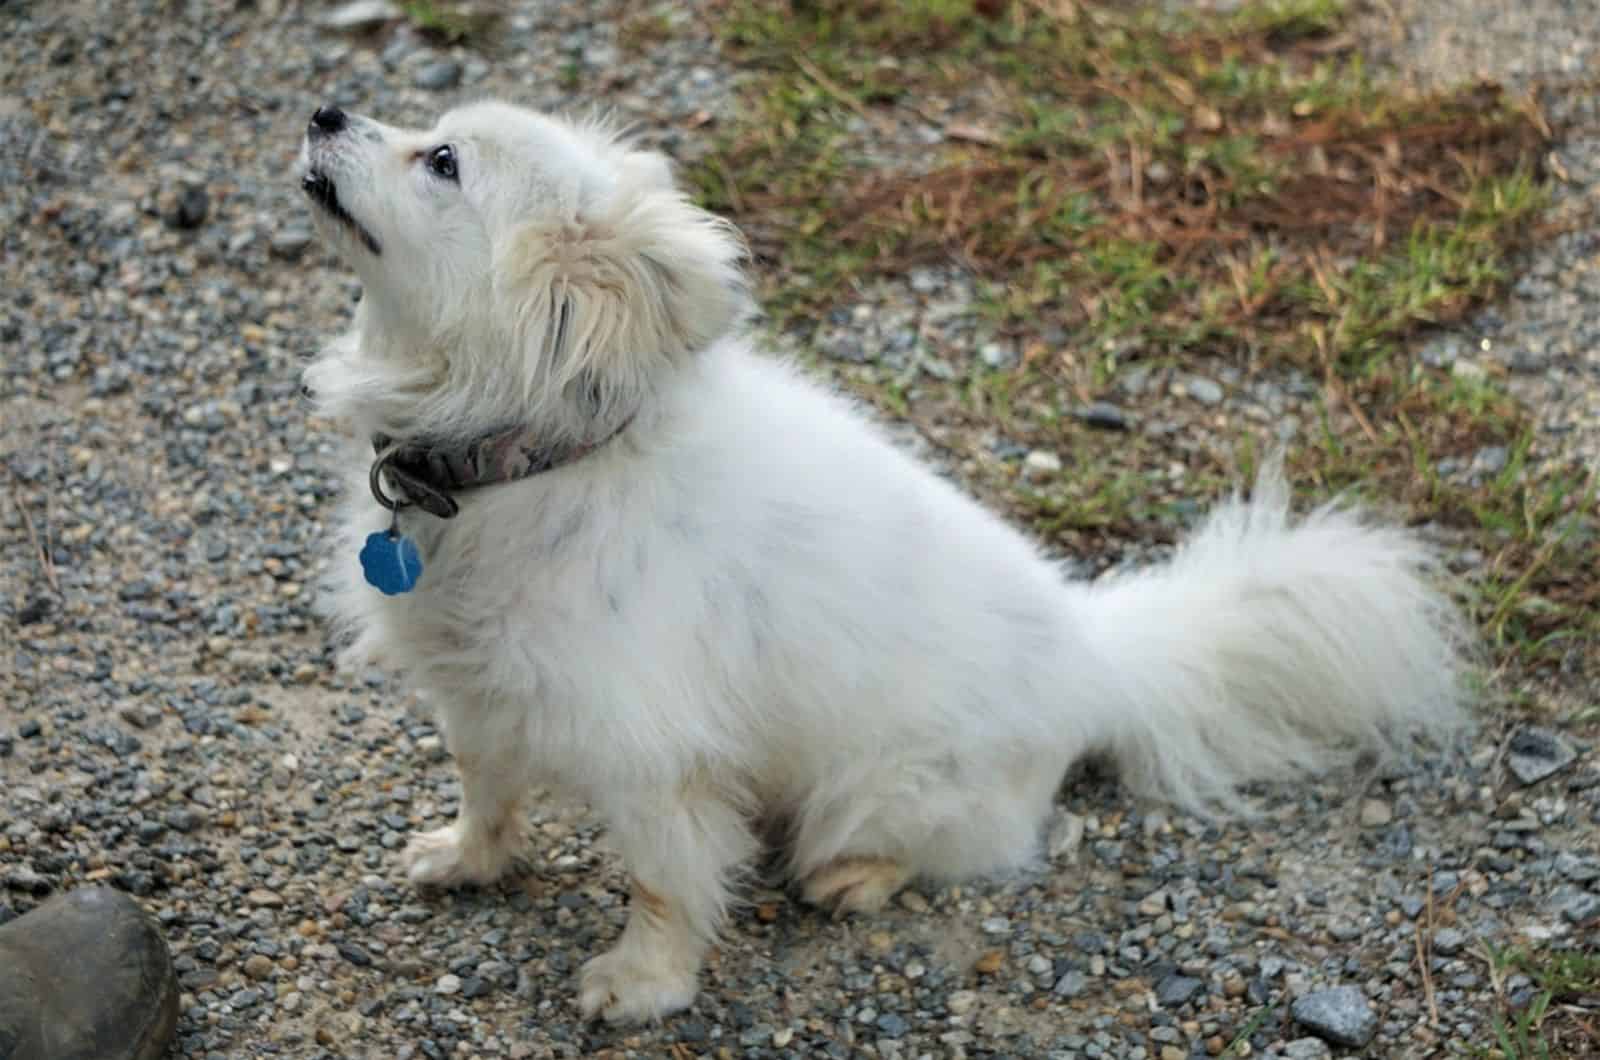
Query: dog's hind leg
<point>486,834</point>
<point>869,832</point>
<point>855,884</point>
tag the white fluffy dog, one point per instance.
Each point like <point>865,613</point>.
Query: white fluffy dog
<point>709,598</point>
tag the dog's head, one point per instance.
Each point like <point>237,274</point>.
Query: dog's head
<point>528,258</point>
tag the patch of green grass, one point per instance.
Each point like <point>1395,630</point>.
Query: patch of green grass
<point>641,30</point>
<point>1440,269</point>
<point>1562,1017</point>
<point>447,22</point>
<point>1174,192</point>
<point>1240,1046</point>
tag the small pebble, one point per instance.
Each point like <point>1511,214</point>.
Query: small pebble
<point>1206,391</point>
<point>1040,466</point>
<point>190,207</point>
<point>438,76</point>
<point>1448,942</point>
<point>1375,813</point>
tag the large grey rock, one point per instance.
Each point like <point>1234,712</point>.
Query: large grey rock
<point>86,976</point>
<point>1341,1015</point>
<point>1535,753</point>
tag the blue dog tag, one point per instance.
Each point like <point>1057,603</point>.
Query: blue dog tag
<point>391,562</point>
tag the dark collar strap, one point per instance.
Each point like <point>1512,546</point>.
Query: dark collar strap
<point>426,474</point>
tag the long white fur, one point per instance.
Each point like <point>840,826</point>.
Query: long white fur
<point>751,615</point>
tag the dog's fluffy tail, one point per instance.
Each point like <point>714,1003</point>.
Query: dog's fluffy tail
<point>1267,649</point>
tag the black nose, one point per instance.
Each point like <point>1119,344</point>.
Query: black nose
<point>327,121</point>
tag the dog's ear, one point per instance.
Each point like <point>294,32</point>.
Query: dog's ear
<point>609,295</point>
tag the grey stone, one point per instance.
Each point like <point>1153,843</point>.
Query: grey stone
<point>1441,352</point>
<point>1490,460</point>
<point>892,1025</point>
<point>190,208</point>
<point>360,15</point>
<point>354,954</point>
<point>1578,869</point>
<point>440,76</point>
<point>1103,414</point>
<point>998,354</point>
<point>291,243</point>
<point>1177,990</point>
<point>88,974</point>
<point>1071,984</point>
<point>1341,1015</point>
<point>137,716</point>
<point>1344,931</point>
<point>1535,753</point>
<point>1041,465</point>
<point>1582,908</point>
<point>1206,391</point>
<point>1375,813</point>
<point>845,346</point>
<point>1307,1049</point>
<point>601,55</point>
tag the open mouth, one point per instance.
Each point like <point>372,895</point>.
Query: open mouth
<point>319,188</point>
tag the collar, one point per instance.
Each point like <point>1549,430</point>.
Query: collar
<point>426,473</point>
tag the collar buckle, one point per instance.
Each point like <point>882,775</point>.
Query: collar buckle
<point>425,475</point>
<point>416,491</point>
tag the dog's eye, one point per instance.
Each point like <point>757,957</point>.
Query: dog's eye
<point>442,162</point>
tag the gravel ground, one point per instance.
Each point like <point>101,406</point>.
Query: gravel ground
<point>171,721</point>
<point>1547,337</point>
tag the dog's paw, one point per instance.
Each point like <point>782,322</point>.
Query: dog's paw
<point>854,885</point>
<point>449,856</point>
<point>630,985</point>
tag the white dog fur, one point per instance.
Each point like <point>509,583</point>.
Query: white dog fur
<point>751,617</point>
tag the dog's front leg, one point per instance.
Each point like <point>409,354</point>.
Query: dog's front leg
<point>484,838</point>
<point>680,848</point>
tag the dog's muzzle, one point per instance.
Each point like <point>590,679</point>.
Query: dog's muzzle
<point>327,122</point>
